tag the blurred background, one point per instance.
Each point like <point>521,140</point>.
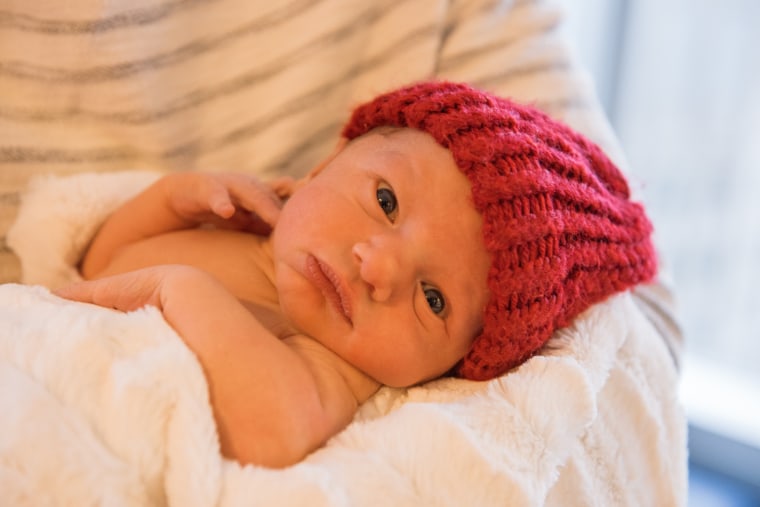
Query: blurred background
<point>680,81</point>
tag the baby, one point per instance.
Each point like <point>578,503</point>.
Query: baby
<point>451,232</point>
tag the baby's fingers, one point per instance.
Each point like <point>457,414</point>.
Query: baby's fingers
<point>125,292</point>
<point>283,186</point>
<point>256,197</point>
<point>219,201</point>
<point>75,292</point>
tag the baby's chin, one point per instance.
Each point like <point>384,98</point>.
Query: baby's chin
<point>406,379</point>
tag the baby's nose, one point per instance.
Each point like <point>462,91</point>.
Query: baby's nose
<point>381,266</point>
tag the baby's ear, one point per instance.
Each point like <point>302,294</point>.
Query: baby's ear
<point>319,167</point>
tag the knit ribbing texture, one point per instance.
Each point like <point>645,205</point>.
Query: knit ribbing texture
<point>558,221</point>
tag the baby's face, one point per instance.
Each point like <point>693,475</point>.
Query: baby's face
<point>381,259</point>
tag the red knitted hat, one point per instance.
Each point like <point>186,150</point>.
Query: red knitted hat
<point>557,219</point>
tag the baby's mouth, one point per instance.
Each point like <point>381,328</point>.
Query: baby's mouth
<point>331,286</point>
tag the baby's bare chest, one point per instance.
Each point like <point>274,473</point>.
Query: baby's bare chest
<point>239,260</point>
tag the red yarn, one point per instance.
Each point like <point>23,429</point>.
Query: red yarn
<point>557,219</point>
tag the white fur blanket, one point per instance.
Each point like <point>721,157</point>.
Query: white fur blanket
<point>105,408</point>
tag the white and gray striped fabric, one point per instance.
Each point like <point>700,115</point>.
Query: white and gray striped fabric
<point>242,85</point>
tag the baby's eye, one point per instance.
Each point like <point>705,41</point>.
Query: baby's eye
<point>387,201</point>
<point>435,300</point>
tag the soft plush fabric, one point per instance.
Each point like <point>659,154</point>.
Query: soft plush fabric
<point>242,85</point>
<point>105,408</point>
<point>558,221</point>
<point>100,408</point>
<point>102,405</point>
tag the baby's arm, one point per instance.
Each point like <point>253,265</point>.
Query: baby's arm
<point>182,201</point>
<point>272,405</point>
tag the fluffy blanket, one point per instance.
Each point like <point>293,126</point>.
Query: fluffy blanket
<point>106,408</point>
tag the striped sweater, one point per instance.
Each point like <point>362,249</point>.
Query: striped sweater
<point>242,85</point>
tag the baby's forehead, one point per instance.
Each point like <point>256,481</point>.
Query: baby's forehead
<point>405,145</point>
<point>394,142</point>
<point>391,132</point>
<point>385,130</point>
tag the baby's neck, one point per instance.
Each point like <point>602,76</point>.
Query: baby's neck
<point>346,381</point>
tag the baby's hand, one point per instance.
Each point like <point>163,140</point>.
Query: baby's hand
<point>232,201</point>
<point>127,291</point>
